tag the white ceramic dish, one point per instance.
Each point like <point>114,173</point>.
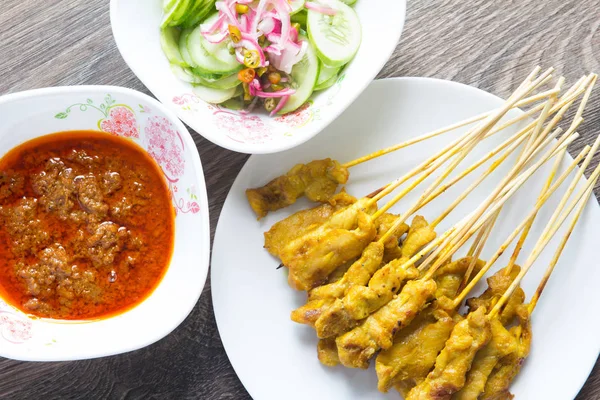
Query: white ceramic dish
<point>275,357</point>
<point>131,114</point>
<point>135,28</point>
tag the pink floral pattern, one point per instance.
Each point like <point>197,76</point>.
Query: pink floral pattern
<point>14,328</point>
<point>242,128</point>
<point>165,146</point>
<point>121,121</point>
<point>162,140</point>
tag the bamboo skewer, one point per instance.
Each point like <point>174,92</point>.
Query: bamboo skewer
<point>557,254</point>
<point>455,146</point>
<point>551,228</point>
<point>525,233</point>
<point>538,205</point>
<point>441,131</point>
<point>477,218</point>
<point>476,252</point>
<point>471,140</point>
<point>561,107</point>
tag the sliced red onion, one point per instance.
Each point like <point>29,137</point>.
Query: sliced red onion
<point>267,25</point>
<point>244,23</point>
<point>226,10</point>
<point>320,8</point>
<point>281,93</point>
<point>216,38</point>
<point>280,105</point>
<point>260,9</point>
<point>218,24</point>
<point>239,55</point>
<point>275,50</point>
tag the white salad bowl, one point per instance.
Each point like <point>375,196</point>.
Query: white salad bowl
<point>135,25</point>
<point>127,113</point>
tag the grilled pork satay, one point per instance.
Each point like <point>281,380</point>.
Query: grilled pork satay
<point>303,221</point>
<point>393,245</point>
<point>454,361</point>
<point>323,296</point>
<point>312,257</point>
<point>498,382</point>
<point>327,352</point>
<point>360,301</point>
<point>502,344</point>
<point>356,347</point>
<point>318,181</point>
<point>497,285</point>
<point>415,349</point>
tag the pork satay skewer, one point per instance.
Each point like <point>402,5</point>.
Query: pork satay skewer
<point>313,309</point>
<point>455,361</point>
<point>501,343</point>
<point>493,202</point>
<point>319,179</point>
<point>584,166</point>
<point>498,382</point>
<point>557,219</point>
<point>358,345</point>
<point>388,374</point>
<point>538,205</point>
<point>359,301</point>
<point>317,304</point>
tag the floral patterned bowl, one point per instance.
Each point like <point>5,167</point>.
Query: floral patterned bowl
<point>135,28</point>
<point>133,115</point>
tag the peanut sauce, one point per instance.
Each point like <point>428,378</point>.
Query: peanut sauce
<point>86,225</point>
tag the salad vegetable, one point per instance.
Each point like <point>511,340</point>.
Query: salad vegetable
<point>272,53</point>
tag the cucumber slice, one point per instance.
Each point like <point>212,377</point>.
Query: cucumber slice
<point>206,75</point>
<point>204,60</point>
<point>304,78</point>
<point>227,82</point>
<point>185,75</point>
<point>169,41</point>
<point>297,5</point>
<point>327,84</point>
<point>197,13</point>
<point>214,96</point>
<point>200,14</point>
<point>167,4</point>
<point>183,49</point>
<point>182,14</point>
<point>178,8</point>
<point>325,73</point>
<point>349,2</point>
<point>335,37</point>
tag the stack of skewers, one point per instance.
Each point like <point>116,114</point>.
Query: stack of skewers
<point>379,288</point>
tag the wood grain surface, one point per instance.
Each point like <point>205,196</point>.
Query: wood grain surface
<point>490,44</point>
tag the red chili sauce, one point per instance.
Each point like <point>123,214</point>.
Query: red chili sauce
<point>86,225</point>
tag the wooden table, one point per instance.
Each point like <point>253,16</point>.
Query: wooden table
<point>487,44</point>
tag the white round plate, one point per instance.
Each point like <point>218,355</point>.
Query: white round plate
<point>276,358</point>
<point>135,25</point>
